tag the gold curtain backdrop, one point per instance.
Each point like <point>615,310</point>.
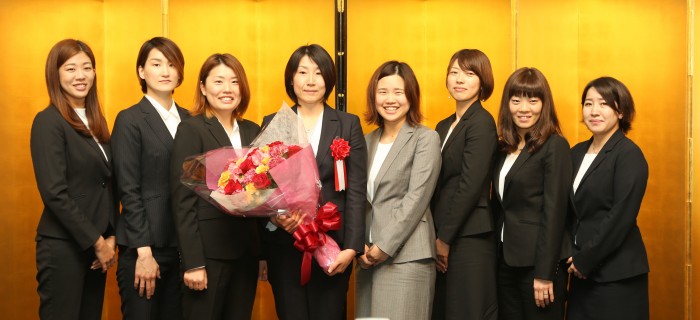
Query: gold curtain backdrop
<point>647,44</point>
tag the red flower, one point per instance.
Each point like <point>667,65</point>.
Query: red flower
<point>340,149</point>
<point>232,187</point>
<point>246,165</point>
<point>292,150</point>
<point>261,181</point>
<point>276,143</point>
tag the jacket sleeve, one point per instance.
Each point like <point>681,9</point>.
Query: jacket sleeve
<point>479,147</point>
<point>423,173</point>
<point>557,183</point>
<point>48,149</point>
<point>356,194</point>
<point>630,182</point>
<point>187,143</point>
<point>126,145</point>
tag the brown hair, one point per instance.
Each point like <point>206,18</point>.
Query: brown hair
<point>171,52</point>
<point>59,54</point>
<point>477,62</point>
<point>411,90</point>
<point>530,83</point>
<point>201,105</point>
<point>618,97</point>
<point>319,56</point>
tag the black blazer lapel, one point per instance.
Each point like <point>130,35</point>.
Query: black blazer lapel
<point>217,131</point>
<point>155,122</point>
<point>519,161</point>
<point>602,154</point>
<point>247,133</point>
<point>462,123</point>
<point>444,127</point>
<point>329,130</point>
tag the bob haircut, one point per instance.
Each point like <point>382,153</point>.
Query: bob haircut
<point>411,90</point>
<point>201,105</point>
<point>476,61</point>
<point>528,83</point>
<point>319,56</point>
<point>59,54</point>
<point>618,97</point>
<point>171,52</point>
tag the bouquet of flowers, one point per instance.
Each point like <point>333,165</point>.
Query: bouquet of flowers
<point>277,175</point>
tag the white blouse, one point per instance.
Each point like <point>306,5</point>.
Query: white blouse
<point>585,164</point>
<point>379,157</point>
<point>507,165</point>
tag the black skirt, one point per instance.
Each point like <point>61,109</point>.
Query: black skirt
<point>619,300</point>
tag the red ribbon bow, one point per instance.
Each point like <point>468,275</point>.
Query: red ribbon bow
<point>310,236</point>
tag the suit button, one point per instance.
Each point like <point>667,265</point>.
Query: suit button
<point>104,184</point>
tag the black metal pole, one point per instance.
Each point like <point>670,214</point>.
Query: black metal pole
<point>341,40</point>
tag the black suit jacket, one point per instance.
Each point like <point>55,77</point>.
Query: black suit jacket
<point>204,231</point>
<point>605,208</point>
<point>74,181</point>
<point>461,200</point>
<point>351,202</point>
<point>141,144</point>
<point>534,207</point>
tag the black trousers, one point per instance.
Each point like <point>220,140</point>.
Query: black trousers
<point>516,298</point>
<point>230,292</point>
<point>166,302</point>
<point>323,298</point>
<point>626,299</point>
<point>68,289</point>
<point>468,289</point>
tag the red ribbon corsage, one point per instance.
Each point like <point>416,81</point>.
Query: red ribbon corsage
<point>340,149</point>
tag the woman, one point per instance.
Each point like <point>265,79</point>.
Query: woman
<point>72,165</point>
<point>141,140</point>
<point>397,274</point>
<point>609,262</point>
<point>531,183</point>
<point>218,251</point>
<point>465,287</point>
<point>309,79</point>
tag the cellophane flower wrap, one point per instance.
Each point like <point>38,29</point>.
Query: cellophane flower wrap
<point>310,237</point>
<point>276,175</point>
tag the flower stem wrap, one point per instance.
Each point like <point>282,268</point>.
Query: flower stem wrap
<point>311,236</point>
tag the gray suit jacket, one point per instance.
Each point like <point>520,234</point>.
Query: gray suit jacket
<point>399,214</point>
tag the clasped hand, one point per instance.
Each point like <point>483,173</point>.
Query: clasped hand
<point>289,221</point>
<point>372,257</point>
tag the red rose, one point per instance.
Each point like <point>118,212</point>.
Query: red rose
<point>261,181</point>
<point>340,149</point>
<point>276,143</point>
<point>246,165</point>
<point>291,150</point>
<point>232,187</point>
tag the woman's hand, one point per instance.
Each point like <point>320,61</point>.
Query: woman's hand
<point>443,251</point>
<point>572,269</point>
<point>196,279</point>
<point>342,261</point>
<point>363,261</point>
<point>104,251</point>
<point>376,255</point>
<point>289,222</point>
<point>544,292</point>
<point>146,272</point>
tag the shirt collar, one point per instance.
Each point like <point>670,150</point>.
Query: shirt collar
<point>164,114</point>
